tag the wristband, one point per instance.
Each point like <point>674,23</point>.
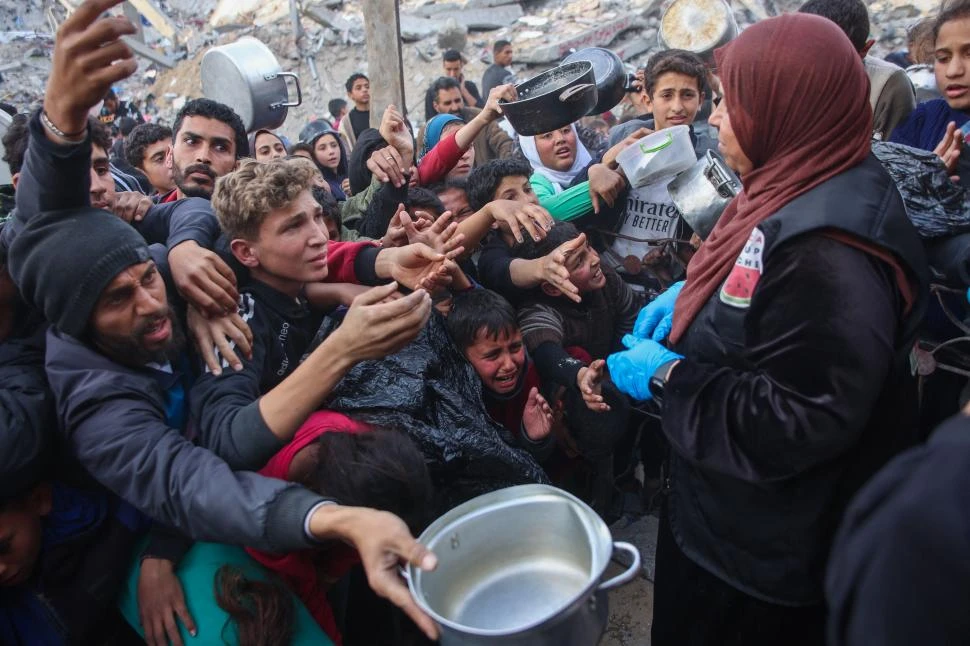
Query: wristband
<point>72,137</point>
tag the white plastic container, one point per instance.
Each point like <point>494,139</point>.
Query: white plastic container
<point>661,154</point>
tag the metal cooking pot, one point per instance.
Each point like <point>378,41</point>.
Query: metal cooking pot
<point>703,191</point>
<point>699,26</point>
<point>5,176</point>
<point>246,76</point>
<point>609,73</point>
<point>553,99</point>
<point>519,567</point>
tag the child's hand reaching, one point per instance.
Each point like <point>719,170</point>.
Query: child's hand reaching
<point>537,417</point>
<point>590,383</point>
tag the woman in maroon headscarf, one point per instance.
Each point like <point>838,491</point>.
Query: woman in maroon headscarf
<point>787,382</point>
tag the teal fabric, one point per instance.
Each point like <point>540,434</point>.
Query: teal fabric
<point>566,205</point>
<point>197,572</point>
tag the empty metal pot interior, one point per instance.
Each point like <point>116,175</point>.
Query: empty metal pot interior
<point>511,566</point>
<point>552,80</point>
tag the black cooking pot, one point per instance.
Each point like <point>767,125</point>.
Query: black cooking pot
<point>609,73</point>
<point>554,99</point>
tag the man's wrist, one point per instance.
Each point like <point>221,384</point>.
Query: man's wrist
<point>328,520</point>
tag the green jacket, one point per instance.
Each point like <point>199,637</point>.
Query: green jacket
<point>569,204</point>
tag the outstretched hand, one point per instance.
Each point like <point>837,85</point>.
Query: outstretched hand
<point>949,149</point>
<point>537,416</point>
<point>384,544</point>
<point>89,57</point>
<point>590,382</point>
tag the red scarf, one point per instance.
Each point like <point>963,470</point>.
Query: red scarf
<point>798,99</point>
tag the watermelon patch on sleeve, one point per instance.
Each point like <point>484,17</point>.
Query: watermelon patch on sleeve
<point>739,286</point>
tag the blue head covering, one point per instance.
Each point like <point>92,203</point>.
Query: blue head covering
<point>432,132</point>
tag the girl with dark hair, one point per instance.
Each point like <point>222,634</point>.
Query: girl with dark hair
<point>329,155</point>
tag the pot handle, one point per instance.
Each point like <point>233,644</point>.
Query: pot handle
<point>299,92</point>
<point>576,92</point>
<point>629,573</point>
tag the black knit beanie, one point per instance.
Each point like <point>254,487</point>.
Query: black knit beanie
<point>63,260</point>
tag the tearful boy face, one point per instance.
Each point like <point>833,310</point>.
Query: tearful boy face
<point>498,360</point>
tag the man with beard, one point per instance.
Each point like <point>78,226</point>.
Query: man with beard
<point>208,137</point>
<point>116,367</point>
<point>444,97</point>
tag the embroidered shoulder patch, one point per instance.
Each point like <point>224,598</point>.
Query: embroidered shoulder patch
<point>740,283</point>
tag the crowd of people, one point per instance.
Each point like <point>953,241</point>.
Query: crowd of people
<point>239,374</point>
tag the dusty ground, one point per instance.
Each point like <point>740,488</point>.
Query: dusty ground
<point>631,614</point>
<point>631,606</point>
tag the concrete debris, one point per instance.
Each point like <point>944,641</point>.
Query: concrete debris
<point>600,36</point>
<point>487,19</point>
<point>452,35</point>
<point>534,21</point>
<point>328,19</point>
<point>414,28</point>
<point>332,46</point>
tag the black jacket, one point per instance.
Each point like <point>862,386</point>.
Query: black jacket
<point>900,572</point>
<point>796,387</point>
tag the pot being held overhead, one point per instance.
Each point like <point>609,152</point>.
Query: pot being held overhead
<point>246,76</point>
<point>609,73</point>
<point>553,99</point>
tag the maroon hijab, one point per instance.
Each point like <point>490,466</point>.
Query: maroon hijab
<point>798,98</point>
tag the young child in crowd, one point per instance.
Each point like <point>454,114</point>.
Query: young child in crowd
<point>673,89</point>
<point>330,155</point>
<point>551,322</point>
<point>934,125</point>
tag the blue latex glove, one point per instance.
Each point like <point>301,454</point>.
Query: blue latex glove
<point>632,369</point>
<point>968,294</point>
<point>655,312</point>
<point>663,328</point>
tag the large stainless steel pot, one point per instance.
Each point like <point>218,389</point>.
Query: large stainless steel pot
<point>521,566</point>
<point>702,192</point>
<point>699,26</point>
<point>553,99</point>
<point>609,73</point>
<point>246,76</point>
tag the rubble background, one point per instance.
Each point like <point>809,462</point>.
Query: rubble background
<point>541,32</point>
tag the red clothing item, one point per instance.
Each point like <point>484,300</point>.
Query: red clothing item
<point>309,573</point>
<point>171,196</point>
<point>340,263</point>
<point>439,161</point>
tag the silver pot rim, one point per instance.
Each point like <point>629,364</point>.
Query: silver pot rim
<point>598,534</point>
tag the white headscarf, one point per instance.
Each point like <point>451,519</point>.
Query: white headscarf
<point>560,178</point>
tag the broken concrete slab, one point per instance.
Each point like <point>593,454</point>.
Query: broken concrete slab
<point>437,8</point>
<point>414,29</point>
<point>600,36</point>
<point>452,35</point>
<point>486,19</point>
<point>327,18</point>
<point>646,41</point>
<point>487,4</point>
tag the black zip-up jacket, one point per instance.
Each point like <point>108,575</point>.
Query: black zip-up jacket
<point>225,407</point>
<point>796,387</point>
